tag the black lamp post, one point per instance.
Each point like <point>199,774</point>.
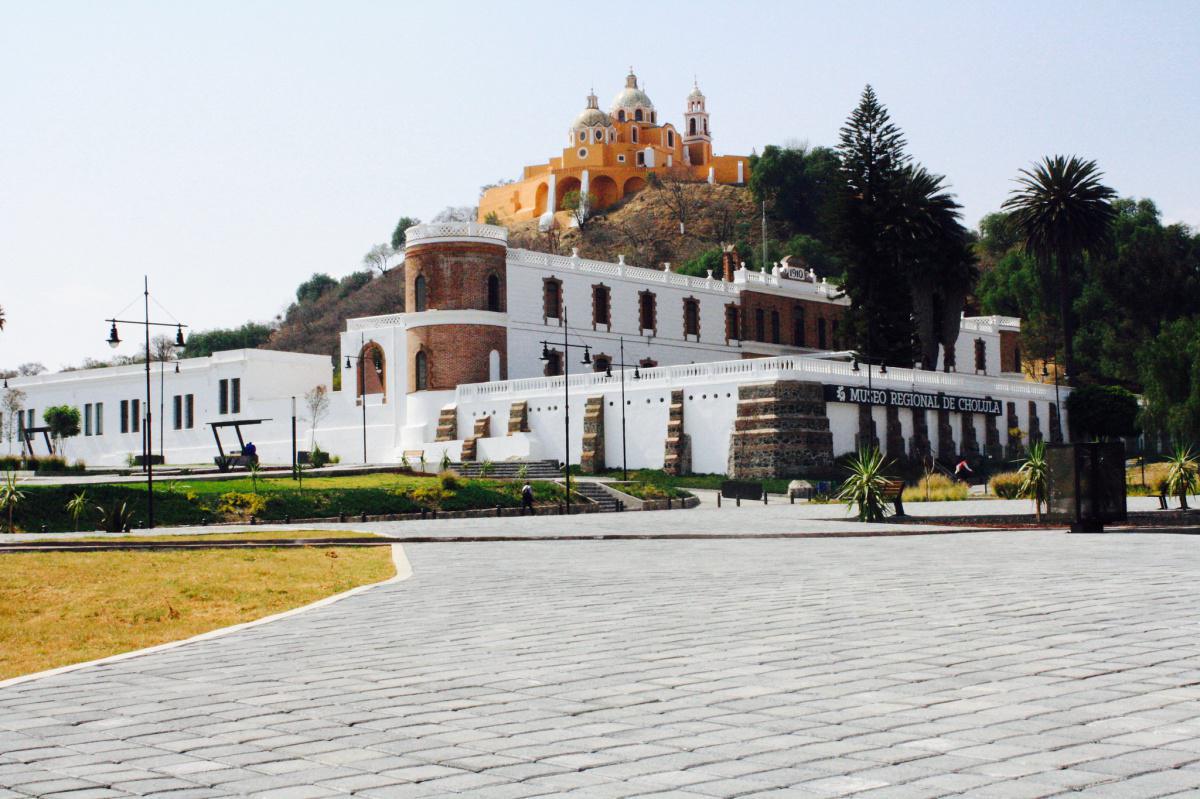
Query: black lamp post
<point>362,383</point>
<point>1057,407</point>
<point>636,376</point>
<point>566,375</point>
<point>114,341</point>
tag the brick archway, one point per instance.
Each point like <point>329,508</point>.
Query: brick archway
<point>540,197</point>
<point>370,372</point>
<point>633,186</point>
<point>606,191</point>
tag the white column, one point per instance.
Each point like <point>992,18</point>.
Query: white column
<point>741,172</point>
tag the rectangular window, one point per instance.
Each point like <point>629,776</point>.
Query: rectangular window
<point>822,343</point>
<point>760,325</point>
<point>189,411</point>
<point>980,355</point>
<point>177,412</point>
<point>223,396</point>
<point>798,326</point>
<point>124,416</point>
<point>601,307</point>
<point>20,422</point>
<point>691,317</point>
<point>836,337</point>
<point>647,311</point>
<point>731,323</point>
<point>99,418</point>
<point>32,418</point>
<point>135,415</point>
<point>235,392</point>
<point>774,327</point>
<point>87,419</point>
<point>551,298</point>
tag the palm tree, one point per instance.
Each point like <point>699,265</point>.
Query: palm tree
<point>924,235</point>
<point>1062,211</point>
<point>2,317</point>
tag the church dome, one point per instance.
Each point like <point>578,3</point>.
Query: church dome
<point>591,116</point>
<point>695,94</point>
<point>631,96</point>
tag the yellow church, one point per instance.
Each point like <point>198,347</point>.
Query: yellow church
<point>609,155</point>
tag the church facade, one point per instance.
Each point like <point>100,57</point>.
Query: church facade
<point>610,155</point>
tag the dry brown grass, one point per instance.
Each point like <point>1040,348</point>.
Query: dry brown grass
<point>240,535</point>
<point>58,608</point>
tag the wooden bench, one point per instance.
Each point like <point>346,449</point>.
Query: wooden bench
<point>893,491</point>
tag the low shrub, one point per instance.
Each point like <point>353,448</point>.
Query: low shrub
<point>430,496</point>
<point>1006,485</point>
<point>449,479</point>
<point>935,488</point>
<point>42,464</point>
<point>238,506</point>
<point>318,458</point>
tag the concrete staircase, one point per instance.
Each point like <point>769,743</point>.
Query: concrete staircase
<point>596,493</point>
<point>537,470</point>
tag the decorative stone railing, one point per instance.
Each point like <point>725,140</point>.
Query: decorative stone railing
<point>761,369</point>
<point>573,263</point>
<point>989,324</point>
<point>444,231</point>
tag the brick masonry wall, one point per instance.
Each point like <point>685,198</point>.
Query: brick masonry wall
<point>813,311</point>
<point>456,353</point>
<point>456,275</point>
<point>1010,351</point>
<point>780,430</point>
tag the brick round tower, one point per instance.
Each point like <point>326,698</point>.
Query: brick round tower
<point>455,284</point>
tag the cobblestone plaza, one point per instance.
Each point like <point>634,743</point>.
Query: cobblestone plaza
<point>988,664</point>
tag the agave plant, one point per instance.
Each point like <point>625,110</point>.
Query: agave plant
<point>10,497</point>
<point>77,506</point>
<point>116,519</point>
<point>486,468</point>
<point>1035,478</point>
<point>864,487</point>
<point>523,471</point>
<point>444,464</point>
<point>1181,475</point>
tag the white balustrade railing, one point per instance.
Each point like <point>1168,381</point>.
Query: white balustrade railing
<point>369,322</point>
<point>755,369</point>
<point>989,324</point>
<point>450,230</point>
<point>570,263</point>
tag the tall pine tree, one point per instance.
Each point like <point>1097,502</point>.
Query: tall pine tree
<point>872,153</point>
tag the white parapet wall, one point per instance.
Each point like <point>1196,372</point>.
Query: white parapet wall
<point>710,393</point>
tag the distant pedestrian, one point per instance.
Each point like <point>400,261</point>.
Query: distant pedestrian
<point>526,498</point>
<point>963,470</point>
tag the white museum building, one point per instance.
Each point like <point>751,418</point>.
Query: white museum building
<point>738,372</point>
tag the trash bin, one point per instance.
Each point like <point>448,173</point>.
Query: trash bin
<point>1087,484</point>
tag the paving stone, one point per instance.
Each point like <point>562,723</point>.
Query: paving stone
<point>1004,664</point>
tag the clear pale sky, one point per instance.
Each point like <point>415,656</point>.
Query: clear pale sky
<point>231,149</point>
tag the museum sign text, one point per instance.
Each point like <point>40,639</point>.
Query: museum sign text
<point>862,395</point>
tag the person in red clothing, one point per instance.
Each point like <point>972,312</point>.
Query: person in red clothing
<point>963,470</point>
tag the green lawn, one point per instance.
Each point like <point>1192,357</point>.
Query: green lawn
<point>199,501</point>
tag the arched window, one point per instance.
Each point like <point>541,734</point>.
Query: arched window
<point>493,366</point>
<point>670,138</point>
<point>692,126</point>
<point>420,293</point>
<point>583,135</point>
<point>621,115</point>
<point>637,115</point>
<point>706,127</point>
<point>422,371</point>
<point>493,293</point>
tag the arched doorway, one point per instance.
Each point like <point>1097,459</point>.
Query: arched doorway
<point>606,191</point>
<point>493,293</point>
<point>565,185</point>
<point>371,374</point>
<point>540,196</point>
<point>633,186</point>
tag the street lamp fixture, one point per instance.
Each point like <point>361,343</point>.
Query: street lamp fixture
<point>114,341</point>
<point>377,363</point>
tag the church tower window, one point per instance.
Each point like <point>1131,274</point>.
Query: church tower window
<point>493,293</point>
<point>637,115</point>
<point>633,133</point>
<point>422,371</point>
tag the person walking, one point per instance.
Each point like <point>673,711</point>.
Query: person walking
<point>963,471</point>
<point>526,498</point>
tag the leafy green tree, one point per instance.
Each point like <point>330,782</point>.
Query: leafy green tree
<point>1063,210</point>
<point>1170,373</point>
<point>399,233</point>
<point>798,184</point>
<point>64,423</point>
<point>249,336</point>
<point>816,254</point>
<point>1103,412</point>
<point>312,289</point>
<point>580,206</point>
